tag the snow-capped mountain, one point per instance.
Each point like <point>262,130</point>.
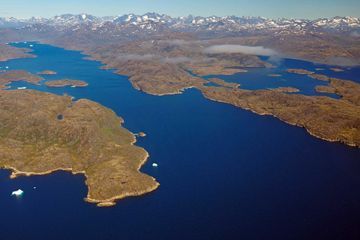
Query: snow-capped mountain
<point>340,23</point>
<point>66,20</point>
<point>153,22</point>
<point>141,19</point>
<point>10,22</point>
<point>72,20</point>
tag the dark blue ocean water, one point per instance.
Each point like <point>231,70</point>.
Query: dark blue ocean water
<point>225,173</point>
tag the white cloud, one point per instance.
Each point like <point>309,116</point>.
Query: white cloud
<point>229,48</point>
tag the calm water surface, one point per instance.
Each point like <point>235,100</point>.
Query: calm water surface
<point>263,78</point>
<point>225,173</point>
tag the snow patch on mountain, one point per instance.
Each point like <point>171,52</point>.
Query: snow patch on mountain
<point>157,22</point>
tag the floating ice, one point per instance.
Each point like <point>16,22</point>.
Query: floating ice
<point>17,193</point>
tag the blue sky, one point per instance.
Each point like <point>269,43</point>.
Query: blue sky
<point>266,8</point>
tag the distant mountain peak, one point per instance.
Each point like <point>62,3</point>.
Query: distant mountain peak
<point>152,21</point>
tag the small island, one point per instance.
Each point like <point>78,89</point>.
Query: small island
<point>47,72</point>
<point>65,83</point>
<point>141,134</point>
<point>337,69</point>
<point>299,71</point>
<point>320,77</point>
<point>274,75</point>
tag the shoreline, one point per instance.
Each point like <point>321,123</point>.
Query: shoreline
<point>87,55</point>
<point>109,202</point>
<point>112,201</point>
<point>284,121</point>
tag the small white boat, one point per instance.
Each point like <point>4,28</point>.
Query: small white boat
<point>31,45</point>
<point>17,193</point>
<point>21,88</point>
<point>73,86</point>
<point>155,165</point>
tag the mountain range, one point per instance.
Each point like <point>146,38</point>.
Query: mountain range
<point>154,22</point>
<point>326,40</point>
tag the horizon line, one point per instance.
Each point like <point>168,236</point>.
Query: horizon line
<point>182,16</point>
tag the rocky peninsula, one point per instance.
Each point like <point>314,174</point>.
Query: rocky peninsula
<point>223,83</point>
<point>165,67</point>
<point>87,139</point>
<point>336,120</point>
<point>17,75</point>
<point>347,89</point>
<point>207,69</point>
<point>323,117</point>
<point>285,89</point>
<point>8,52</point>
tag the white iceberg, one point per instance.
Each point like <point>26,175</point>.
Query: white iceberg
<point>17,193</point>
